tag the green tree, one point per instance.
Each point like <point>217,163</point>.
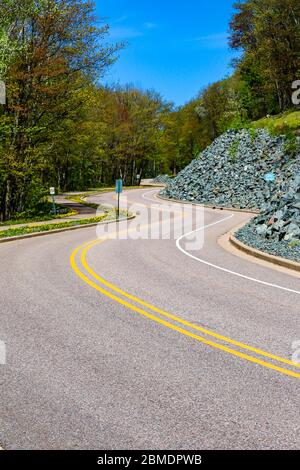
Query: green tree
<point>56,50</point>
<point>268,33</point>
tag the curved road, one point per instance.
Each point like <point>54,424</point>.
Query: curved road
<point>145,344</point>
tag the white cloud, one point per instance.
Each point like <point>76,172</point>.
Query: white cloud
<point>214,41</point>
<point>150,25</point>
<point>120,31</point>
<point>124,33</point>
<point>121,19</point>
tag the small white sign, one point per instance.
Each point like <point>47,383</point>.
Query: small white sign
<point>52,191</point>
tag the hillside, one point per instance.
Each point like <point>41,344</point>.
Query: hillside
<point>232,171</point>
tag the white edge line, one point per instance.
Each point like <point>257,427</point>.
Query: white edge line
<point>220,268</point>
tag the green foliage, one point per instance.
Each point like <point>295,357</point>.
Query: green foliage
<point>253,134</point>
<point>234,150</point>
<point>294,243</point>
<point>268,34</point>
<point>288,122</point>
<point>60,52</point>
<point>42,212</point>
<point>292,145</point>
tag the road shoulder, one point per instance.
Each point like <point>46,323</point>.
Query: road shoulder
<point>229,243</point>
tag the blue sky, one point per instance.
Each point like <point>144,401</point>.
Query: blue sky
<point>175,47</point>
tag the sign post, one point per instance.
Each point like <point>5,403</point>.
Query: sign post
<point>52,193</point>
<point>119,189</point>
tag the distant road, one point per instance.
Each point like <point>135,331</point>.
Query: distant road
<point>144,344</point>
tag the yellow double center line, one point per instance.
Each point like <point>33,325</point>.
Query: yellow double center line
<point>82,251</point>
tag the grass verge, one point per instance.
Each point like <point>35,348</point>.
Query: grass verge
<point>289,121</point>
<point>27,230</point>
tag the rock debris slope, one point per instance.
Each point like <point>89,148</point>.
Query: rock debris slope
<point>231,172</point>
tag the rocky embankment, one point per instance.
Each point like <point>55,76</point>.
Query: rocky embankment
<point>162,179</point>
<point>277,229</point>
<point>249,170</point>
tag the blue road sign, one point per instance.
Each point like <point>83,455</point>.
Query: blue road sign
<point>270,177</point>
<point>119,186</point>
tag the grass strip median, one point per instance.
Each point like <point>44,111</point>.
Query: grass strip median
<point>26,230</point>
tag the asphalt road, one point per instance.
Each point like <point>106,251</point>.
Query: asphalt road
<point>145,344</point>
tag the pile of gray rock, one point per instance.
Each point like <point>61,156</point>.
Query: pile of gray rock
<point>280,217</point>
<point>277,230</point>
<point>162,179</point>
<point>249,170</point>
<point>232,171</point>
